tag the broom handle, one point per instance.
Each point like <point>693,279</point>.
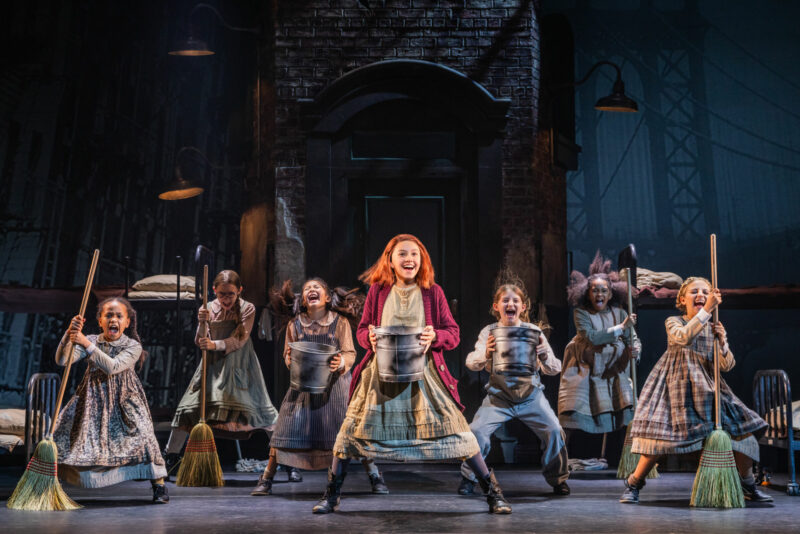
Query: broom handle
<point>630,338</point>
<point>716,344</point>
<point>87,289</point>
<point>203,382</point>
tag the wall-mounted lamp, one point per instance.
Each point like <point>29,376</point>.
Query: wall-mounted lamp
<point>617,100</point>
<point>192,46</point>
<point>180,187</point>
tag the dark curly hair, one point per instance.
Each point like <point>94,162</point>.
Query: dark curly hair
<point>599,269</point>
<point>285,304</point>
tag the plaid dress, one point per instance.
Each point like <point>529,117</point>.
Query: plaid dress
<point>676,407</point>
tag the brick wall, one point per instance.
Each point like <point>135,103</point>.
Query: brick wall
<point>495,42</point>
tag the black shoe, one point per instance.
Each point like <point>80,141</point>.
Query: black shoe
<point>631,493</point>
<point>160,494</point>
<point>561,489</point>
<point>172,461</point>
<point>379,486</point>
<point>294,475</point>
<point>494,495</point>
<point>330,500</point>
<point>466,487</point>
<point>264,486</point>
<point>754,494</point>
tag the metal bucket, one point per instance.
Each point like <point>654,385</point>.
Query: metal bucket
<point>309,370</point>
<point>515,350</point>
<point>400,356</point>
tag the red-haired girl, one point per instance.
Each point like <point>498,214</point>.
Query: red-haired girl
<point>105,433</point>
<point>237,402</point>
<point>416,421</point>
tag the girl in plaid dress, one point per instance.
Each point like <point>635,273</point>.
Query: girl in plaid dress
<point>676,407</point>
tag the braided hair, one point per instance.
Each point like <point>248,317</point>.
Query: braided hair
<point>285,304</point>
<point>232,277</point>
<point>133,332</point>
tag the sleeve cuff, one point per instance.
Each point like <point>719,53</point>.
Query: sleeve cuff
<point>725,348</point>
<point>90,349</point>
<point>703,316</point>
<point>616,331</point>
<point>341,363</point>
<point>220,344</point>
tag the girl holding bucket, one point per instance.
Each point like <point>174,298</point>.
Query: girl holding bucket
<point>595,393</point>
<point>417,420</point>
<point>676,407</point>
<point>237,403</point>
<point>309,420</point>
<point>520,397</point>
<point>105,432</point>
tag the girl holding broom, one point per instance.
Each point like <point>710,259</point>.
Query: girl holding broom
<point>237,402</point>
<point>595,393</point>
<point>406,421</point>
<point>105,432</point>
<point>676,407</point>
<point>308,422</point>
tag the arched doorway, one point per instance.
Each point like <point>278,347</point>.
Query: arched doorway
<point>408,146</point>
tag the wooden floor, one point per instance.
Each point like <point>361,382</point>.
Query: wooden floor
<point>423,499</point>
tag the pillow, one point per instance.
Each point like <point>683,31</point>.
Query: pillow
<point>648,278</point>
<point>164,282</point>
<point>9,442</point>
<point>12,421</point>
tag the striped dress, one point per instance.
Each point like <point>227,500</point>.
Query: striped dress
<point>308,422</point>
<point>676,408</point>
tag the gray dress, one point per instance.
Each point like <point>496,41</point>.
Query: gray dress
<point>105,432</point>
<point>237,402</point>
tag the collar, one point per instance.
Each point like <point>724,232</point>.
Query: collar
<point>121,342</point>
<point>326,320</point>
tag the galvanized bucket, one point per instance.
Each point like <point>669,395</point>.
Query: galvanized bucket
<point>309,370</point>
<point>515,350</point>
<point>400,356</point>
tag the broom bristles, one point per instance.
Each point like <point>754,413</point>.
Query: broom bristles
<point>717,483</point>
<point>629,460</point>
<point>39,488</point>
<point>200,464</point>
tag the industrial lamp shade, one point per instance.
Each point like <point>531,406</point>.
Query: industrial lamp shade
<point>191,47</point>
<point>179,188</point>
<point>617,100</point>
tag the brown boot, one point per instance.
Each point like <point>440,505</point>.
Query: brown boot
<point>264,486</point>
<point>494,494</point>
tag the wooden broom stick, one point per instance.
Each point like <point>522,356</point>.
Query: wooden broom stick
<point>717,421</point>
<point>204,353</point>
<point>87,290</point>
<point>630,337</point>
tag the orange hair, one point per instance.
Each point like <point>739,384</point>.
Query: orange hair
<point>382,273</point>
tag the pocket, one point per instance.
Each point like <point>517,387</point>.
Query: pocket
<point>241,379</point>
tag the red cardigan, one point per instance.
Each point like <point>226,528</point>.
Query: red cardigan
<point>437,314</point>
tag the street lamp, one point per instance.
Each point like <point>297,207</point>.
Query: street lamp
<point>192,46</point>
<point>180,188</point>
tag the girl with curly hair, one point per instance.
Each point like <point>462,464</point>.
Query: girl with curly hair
<point>595,394</point>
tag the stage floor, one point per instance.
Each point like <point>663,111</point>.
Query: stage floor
<point>423,499</point>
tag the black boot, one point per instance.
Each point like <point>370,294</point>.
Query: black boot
<point>494,494</point>
<point>330,500</point>
<point>172,461</point>
<point>160,494</point>
<point>264,486</point>
<point>379,486</point>
<point>294,475</point>
<point>466,487</point>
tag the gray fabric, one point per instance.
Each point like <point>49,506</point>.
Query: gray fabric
<point>595,375</point>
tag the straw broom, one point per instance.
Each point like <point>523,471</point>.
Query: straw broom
<point>629,460</point>
<point>39,488</point>
<point>717,483</point>
<point>200,464</point>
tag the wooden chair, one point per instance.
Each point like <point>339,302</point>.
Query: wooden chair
<point>39,407</point>
<point>772,398</point>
